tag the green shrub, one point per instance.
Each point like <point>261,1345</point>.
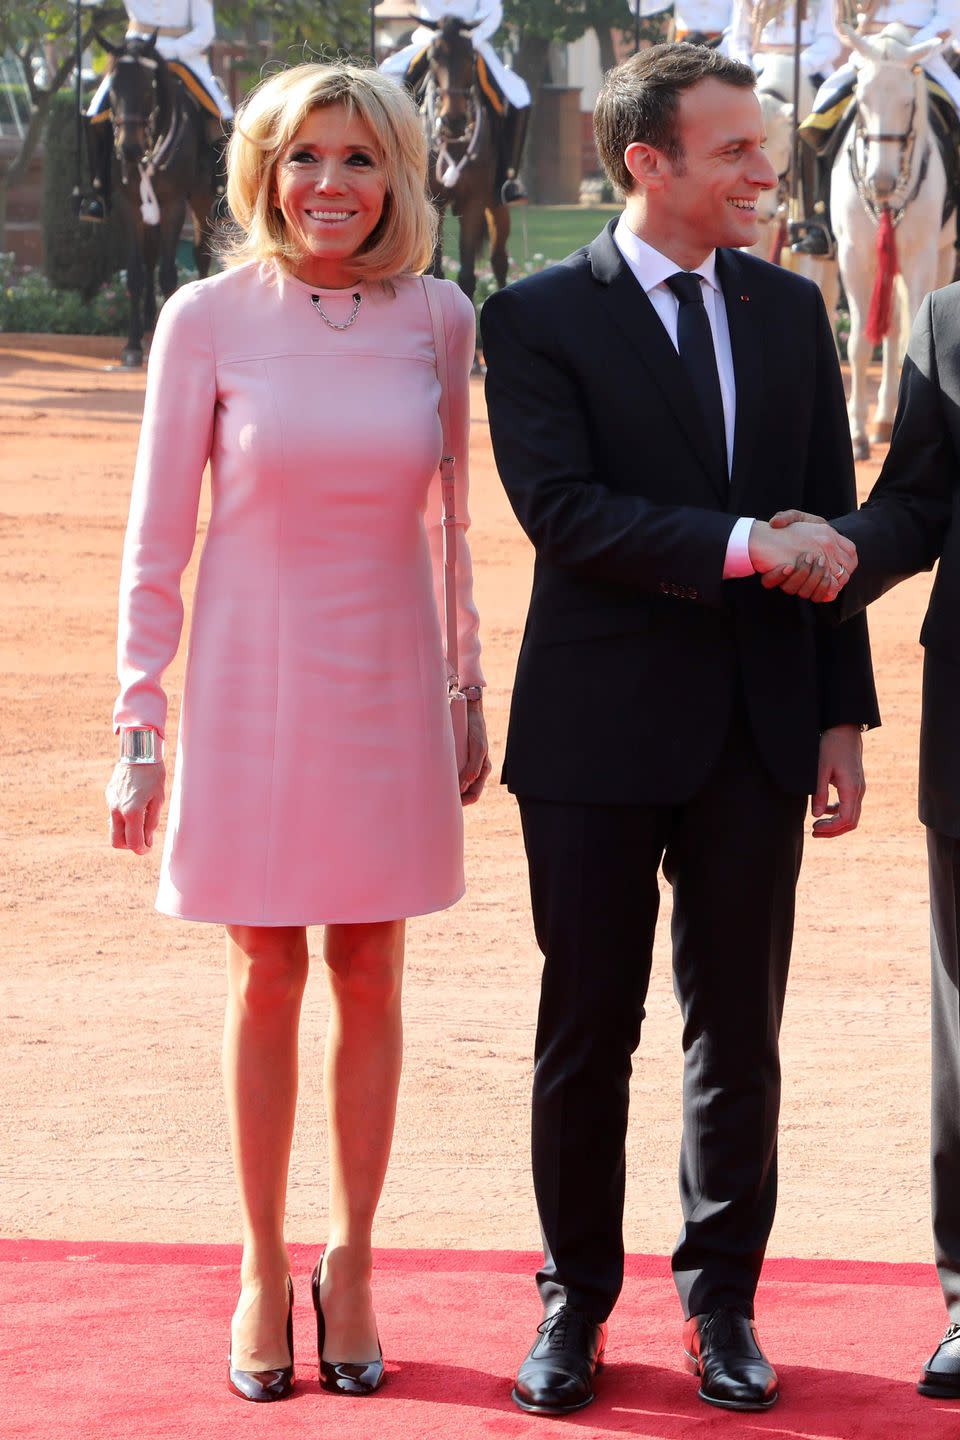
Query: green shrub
<point>77,256</point>
<point>28,302</point>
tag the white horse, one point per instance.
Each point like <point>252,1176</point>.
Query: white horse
<point>775,93</point>
<point>887,191</point>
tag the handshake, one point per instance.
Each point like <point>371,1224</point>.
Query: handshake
<point>802,555</point>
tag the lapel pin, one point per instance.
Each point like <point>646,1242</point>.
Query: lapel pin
<point>744,297</point>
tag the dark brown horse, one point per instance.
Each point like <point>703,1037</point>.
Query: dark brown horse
<point>464,152</point>
<point>162,162</point>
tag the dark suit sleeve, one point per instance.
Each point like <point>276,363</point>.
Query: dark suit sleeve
<point>902,525</point>
<point>847,692</point>
<point>541,441</point>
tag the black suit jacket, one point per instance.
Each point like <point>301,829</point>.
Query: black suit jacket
<point>911,519</point>
<point>634,645</point>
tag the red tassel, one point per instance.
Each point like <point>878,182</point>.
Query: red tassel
<point>881,301</point>
<point>779,241</point>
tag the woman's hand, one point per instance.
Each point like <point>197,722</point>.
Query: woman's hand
<point>476,768</point>
<point>135,798</point>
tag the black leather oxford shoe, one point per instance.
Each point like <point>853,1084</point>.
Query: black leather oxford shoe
<point>722,1348</point>
<point>557,1375</point>
<point>941,1374</point>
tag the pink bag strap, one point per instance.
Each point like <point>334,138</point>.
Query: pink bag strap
<point>447,489</point>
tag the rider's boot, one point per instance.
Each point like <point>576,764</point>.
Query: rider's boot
<point>512,138</point>
<point>813,235</point>
<point>96,207</point>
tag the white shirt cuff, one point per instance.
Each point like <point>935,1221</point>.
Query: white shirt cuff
<point>737,562</point>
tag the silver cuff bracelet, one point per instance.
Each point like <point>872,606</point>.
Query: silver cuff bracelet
<point>140,746</point>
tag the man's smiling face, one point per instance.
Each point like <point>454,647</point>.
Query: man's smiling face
<point>709,197</point>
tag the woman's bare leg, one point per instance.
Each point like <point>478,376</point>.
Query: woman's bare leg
<point>361,1076</point>
<point>266,974</point>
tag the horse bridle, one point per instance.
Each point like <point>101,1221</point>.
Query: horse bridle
<point>437,122</point>
<point>907,140</point>
<point>150,121</point>
<point>439,137</point>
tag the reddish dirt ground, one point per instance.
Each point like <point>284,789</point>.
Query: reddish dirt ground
<point>111,1014</point>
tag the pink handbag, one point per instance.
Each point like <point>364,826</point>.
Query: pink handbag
<point>458,701</point>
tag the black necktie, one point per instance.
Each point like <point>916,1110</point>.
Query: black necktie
<point>699,359</point>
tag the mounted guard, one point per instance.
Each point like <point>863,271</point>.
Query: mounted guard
<point>161,164</point>
<point>182,30</point>
<point>824,129</point>
<point>504,92</point>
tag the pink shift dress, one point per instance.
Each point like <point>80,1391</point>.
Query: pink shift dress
<point>315,778</point>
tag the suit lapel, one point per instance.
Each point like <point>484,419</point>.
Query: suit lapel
<point>745,320</point>
<point>629,309</point>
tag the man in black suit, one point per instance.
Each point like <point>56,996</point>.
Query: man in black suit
<point>648,397</point>
<point>911,520</point>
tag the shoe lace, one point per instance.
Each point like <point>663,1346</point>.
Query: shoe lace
<point>566,1329</point>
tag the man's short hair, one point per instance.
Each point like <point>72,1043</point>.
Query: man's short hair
<point>639,100</point>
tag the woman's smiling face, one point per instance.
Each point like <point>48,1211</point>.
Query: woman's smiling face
<point>330,186</point>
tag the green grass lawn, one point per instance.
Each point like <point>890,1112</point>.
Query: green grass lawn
<point>552,231</point>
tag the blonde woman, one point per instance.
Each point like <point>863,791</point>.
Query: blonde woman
<point>316,780</point>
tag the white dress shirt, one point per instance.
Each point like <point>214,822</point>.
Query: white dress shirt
<point>652,270</point>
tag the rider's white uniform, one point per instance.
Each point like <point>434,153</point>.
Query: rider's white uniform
<point>821,44</point>
<point>194,18</point>
<point>490,14</point>
<point>927,21</point>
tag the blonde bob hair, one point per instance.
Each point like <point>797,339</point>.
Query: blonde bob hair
<point>266,123</point>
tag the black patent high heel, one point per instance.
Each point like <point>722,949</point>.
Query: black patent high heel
<point>264,1385</point>
<point>343,1377</point>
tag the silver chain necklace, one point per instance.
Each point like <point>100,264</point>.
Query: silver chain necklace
<point>356,297</point>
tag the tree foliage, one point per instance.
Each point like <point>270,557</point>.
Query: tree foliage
<point>41,32</point>
<point>537,24</point>
<point>565,20</point>
<point>290,29</point>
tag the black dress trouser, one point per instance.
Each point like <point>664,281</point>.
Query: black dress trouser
<point>732,855</point>
<point>943,856</point>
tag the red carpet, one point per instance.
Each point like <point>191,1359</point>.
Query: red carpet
<point>102,1340</point>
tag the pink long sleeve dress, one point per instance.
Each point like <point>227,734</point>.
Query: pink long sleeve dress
<point>316,777</point>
